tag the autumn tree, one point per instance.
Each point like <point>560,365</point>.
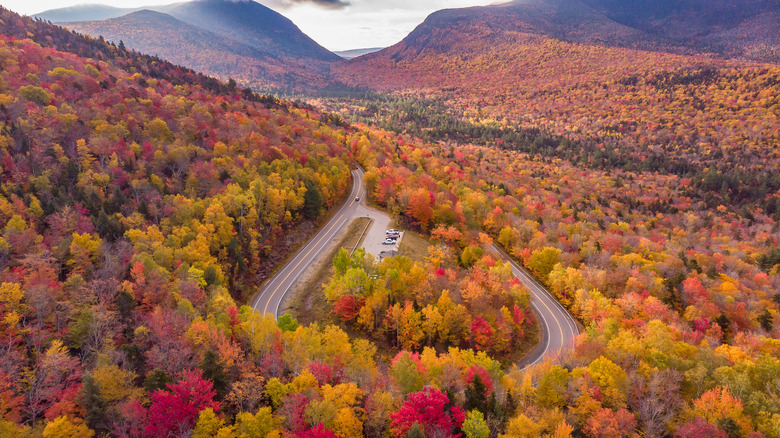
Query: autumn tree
<point>176,410</point>
<point>432,410</point>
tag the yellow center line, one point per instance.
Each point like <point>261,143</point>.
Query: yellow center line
<point>265,309</point>
<point>558,323</point>
<point>541,300</point>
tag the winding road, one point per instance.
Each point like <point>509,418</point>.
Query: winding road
<point>558,328</point>
<point>272,294</point>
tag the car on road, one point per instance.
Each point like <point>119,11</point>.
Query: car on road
<point>388,242</point>
<point>357,199</point>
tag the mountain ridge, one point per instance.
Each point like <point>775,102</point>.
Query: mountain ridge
<point>245,41</point>
<point>83,12</point>
<point>592,22</point>
<point>252,24</point>
<point>165,36</point>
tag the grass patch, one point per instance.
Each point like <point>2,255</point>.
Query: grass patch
<point>414,246</point>
<point>356,234</point>
<point>308,304</point>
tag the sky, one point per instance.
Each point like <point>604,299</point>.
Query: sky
<point>335,24</point>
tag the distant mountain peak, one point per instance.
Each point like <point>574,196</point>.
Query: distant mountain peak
<point>252,24</point>
<point>241,39</point>
<point>83,12</point>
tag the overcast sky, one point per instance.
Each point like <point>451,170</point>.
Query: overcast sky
<point>335,24</point>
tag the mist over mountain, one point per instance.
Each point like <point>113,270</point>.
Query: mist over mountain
<point>354,53</point>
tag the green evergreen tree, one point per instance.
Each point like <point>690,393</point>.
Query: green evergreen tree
<point>313,201</point>
<point>476,395</point>
<point>766,320</point>
<point>93,403</point>
<point>214,371</point>
<point>725,326</point>
<point>157,379</point>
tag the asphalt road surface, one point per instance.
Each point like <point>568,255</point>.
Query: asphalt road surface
<point>273,292</point>
<point>558,328</point>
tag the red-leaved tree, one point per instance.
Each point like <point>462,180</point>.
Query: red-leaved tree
<point>348,307</point>
<point>481,334</point>
<point>431,409</point>
<point>699,428</point>
<point>318,431</point>
<point>606,423</point>
<point>174,412</point>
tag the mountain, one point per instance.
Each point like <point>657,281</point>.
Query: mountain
<point>574,73</point>
<point>683,19</point>
<point>734,28</point>
<point>568,20</point>
<point>165,36</point>
<point>250,23</point>
<point>354,53</point>
<point>243,40</point>
<point>730,28</point>
<point>87,12</point>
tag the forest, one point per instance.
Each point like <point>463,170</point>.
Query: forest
<point>697,117</point>
<point>141,204</point>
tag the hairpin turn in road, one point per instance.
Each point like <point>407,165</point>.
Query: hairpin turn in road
<point>558,328</point>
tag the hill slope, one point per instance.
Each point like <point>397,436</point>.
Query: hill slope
<point>620,107</point>
<point>690,27</point>
<point>733,28</point>
<point>163,35</point>
<point>243,40</point>
<point>254,25</point>
<point>568,20</point>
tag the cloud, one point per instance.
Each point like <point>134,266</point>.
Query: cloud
<point>327,4</point>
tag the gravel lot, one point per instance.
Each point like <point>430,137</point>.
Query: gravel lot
<point>376,233</point>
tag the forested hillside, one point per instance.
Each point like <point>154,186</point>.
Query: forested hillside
<point>679,299</point>
<point>730,28</point>
<point>716,122</point>
<point>185,44</point>
<point>242,40</point>
<point>140,204</point>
